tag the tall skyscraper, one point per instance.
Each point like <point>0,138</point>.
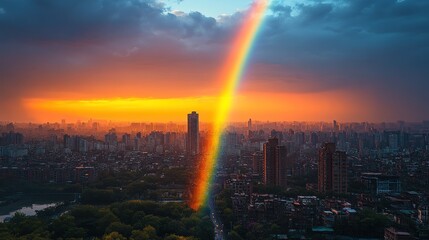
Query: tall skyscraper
<point>126,139</point>
<point>270,161</point>
<point>281,162</point>
<point>274,163</point>
<point>249,128</point>
<point>258,163</point>
<point>192,138</point>
<point>336,126</point>
<point>332,177</point>
<point>66,141</point>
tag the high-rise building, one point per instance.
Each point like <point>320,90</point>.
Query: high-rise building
<point>332,177</point>
<point>192,138</point>
<point>275,163</point>
<point>270,161</point>
<point>281,162</point>
<point>258,163</point>
<point>230,143</point>
<point>66,141</point>
<point>11,138</point>
<point>277,134</point>
<point>126,139</point>
<point>336,127</point>
<point>393,141</point>
<point>249,128</point>
<point>111,138</point>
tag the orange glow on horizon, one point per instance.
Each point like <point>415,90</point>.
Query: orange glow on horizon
<point>120,109</point>
<point>260,106</point>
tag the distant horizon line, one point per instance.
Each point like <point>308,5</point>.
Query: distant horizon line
<point>209,122</point>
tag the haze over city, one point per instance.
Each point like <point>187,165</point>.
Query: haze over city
<point>157,60</point>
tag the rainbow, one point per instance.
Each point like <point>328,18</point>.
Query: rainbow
<point>231,74</point>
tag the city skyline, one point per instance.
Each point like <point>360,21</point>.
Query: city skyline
<point>158,60</point>
<point>202,119</point>
<point>295,175</point>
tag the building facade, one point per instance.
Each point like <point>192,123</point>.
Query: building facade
<point>192,137</point>
<point>275,158</point>
<point>332,170</point>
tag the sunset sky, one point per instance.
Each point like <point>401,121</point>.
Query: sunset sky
<point>154,60</point>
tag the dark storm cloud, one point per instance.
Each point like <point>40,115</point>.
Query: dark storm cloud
<point>94,21</point>
<point>350,34</point>
<point>50,48</point>
<point>72,20</point>
<point>379,47</point>
<point>41,35</point>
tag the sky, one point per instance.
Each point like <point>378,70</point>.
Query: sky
<point>153,60</point>
<point>209,8</point>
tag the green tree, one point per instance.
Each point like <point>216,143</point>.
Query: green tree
<point>227,216</point>
<point>121,228</point>
<point>240,230</point>
<point>205,229</point>
<point>275,229</point>
<point>62,226</point>
<point>98,197</point>
<point>151,220</point>
<point>106,217</point>
<point>233,235</point>
<point>170,226</point>
<point>175,237</point>
<point>114,236</point>
<point>22,225</point>
<point>94,220</point>
<point>138,189</point>
<point>148,233</point>
<point>4,232</point>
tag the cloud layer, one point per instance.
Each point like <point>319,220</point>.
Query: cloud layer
<point>104,48</point>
